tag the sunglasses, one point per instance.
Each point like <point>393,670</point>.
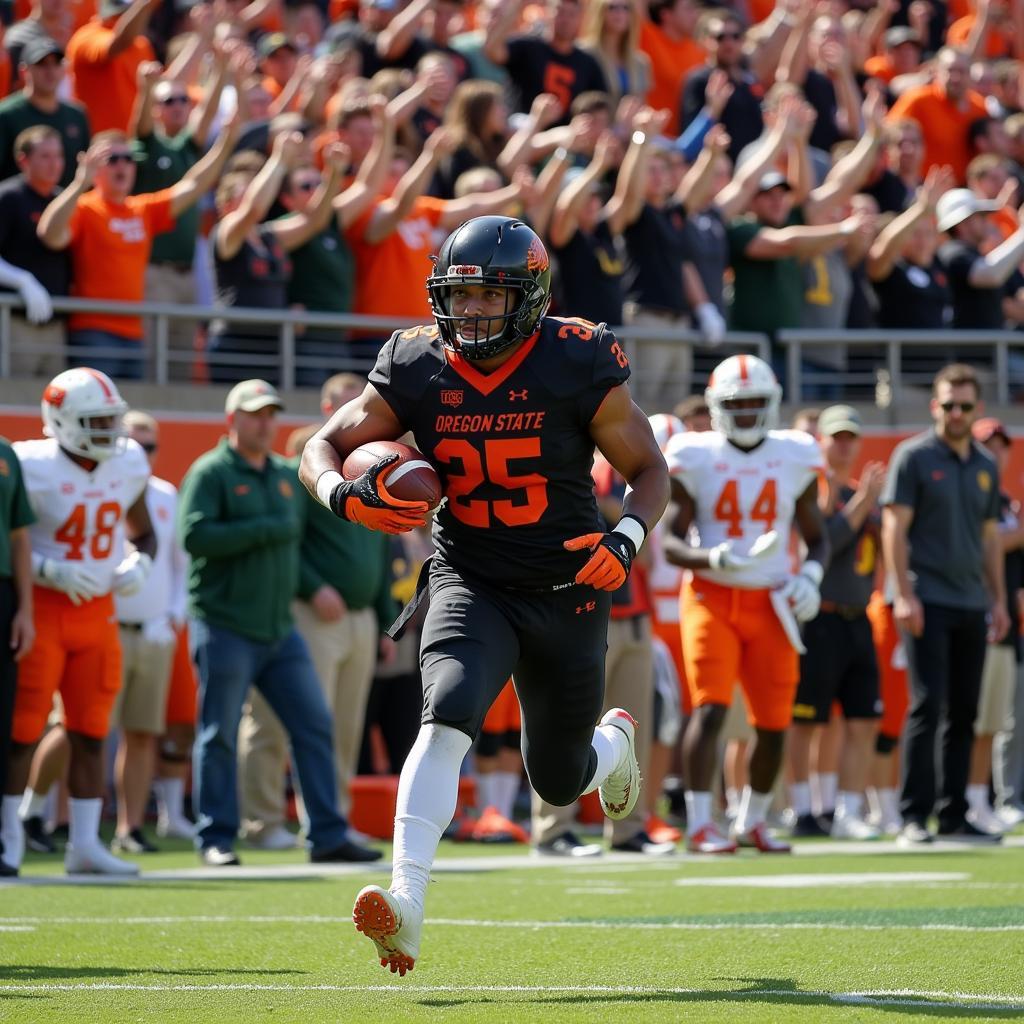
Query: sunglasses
<point>149,448</point>
<point>617,7</point>
<point>720,36</point>
<point>169,101</point>
<point>962,406</point>
<point>306,186</point>
<point>120,158</point>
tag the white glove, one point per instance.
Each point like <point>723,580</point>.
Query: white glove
<point>802,591</point>
<point>159,631</point>
<point>38,307</point>
<point>79,582</point>
<point>132,573</point>
<point>722,558</point>
<point>712,323</point>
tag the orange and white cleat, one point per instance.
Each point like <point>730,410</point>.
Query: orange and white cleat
<point>660,831</point>
<point>620,790</point>
<point>392,924</point>
<point>493,827</point>
<point>760,838</point>
<point>709,840</point>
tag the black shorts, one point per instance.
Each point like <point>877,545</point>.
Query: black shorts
<point>839,665</point>
<point>552,643</point>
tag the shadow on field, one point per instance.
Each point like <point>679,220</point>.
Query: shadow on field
<point>52,973</point>
<point>775,991</point>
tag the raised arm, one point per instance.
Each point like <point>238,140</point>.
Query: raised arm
<point>132,23</point>
<point>350,205</point>
<point>632,181</point>
<point>994,269</point>
<point>298,228</point>
<point>565,219</point>
<point>201,119</point>
<point>54,228</point>
<point>483,204</point>
<point>292,86</point>
<point>393,42</point>
<point>735,198</point>
<point>698,184</point>
<point>147,75</point>
<point>519,149</point>
<point>499,30</point>
<point>775,243</point>
<point>203,174</point>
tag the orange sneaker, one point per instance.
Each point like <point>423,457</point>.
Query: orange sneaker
<point>392,924</point>
<point>660,831</point>
<point>494,827</point>
<point>709,840</point>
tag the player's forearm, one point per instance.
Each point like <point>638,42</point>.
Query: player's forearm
<point>21,566</point>
<point>647,497</point>
<point>319,456</point>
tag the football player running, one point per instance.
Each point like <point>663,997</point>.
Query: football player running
<point>508,404</point>
<point>86,483</point>
<point>740,487</point>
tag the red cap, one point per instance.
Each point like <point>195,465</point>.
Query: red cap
<point>989,427</point>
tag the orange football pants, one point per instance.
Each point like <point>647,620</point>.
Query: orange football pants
<point>731,634</point>
<point>181,697</point>
<point>893,682</point>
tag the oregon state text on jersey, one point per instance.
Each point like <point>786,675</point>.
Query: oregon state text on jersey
<point>79,513</point>
<point>740,495</point>
<point>512,447</point>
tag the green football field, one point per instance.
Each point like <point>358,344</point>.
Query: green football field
<point>825,935</point>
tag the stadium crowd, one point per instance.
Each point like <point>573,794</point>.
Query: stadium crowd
<point>755,167</point>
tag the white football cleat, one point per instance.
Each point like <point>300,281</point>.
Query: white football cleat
<point>985,820</point>
<point>94,859</point>
<point>393,925</point>
<point>849,826</point>
<point>1010,816</point>
<point>175,828</point>
<point>620,790</point>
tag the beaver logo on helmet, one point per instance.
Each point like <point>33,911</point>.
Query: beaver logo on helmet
<point>537,256</point>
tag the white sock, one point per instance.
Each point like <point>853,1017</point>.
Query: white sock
<point>611,747</point>
<point>732,801</point>
<point>84,823</point>
<point>32,805</point>
<point>12,834</point>
<point>427,793</point>
<point>506,789</point>
<point>977,797</point>
<point>698,811</point>
<point>889,801</point>
<point>485,790</point>
<point>170,797</point>
<point>753,809</point>
<point>849,805</point>
<point>823,791</point>
<point>800,798</point>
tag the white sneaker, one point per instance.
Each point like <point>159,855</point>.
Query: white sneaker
<point>619,792</point>
<point>175,828</point>
<point>94,859</point>
<point>392,924</point>
<point>278,838</point>
<point>852,827</point>
<point>986,820</point>
<point>1010,816</point>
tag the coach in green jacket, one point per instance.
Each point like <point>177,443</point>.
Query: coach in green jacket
<point>239,520</point>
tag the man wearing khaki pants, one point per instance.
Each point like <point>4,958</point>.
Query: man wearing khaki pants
<point>344,601</point>
<point>629,684</point>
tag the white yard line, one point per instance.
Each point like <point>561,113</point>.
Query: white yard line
<point>895,997</point>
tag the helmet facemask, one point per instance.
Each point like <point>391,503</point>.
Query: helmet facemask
<point>744,422</point>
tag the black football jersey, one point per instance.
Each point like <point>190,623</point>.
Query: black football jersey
<point>512,447</point>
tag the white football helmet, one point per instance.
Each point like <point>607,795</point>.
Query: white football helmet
<point>72,401</point>
<point>740,377</point>
<point>664,425</point>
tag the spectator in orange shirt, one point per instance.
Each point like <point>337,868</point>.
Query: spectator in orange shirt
<point>901,55</point>
<point>988,177</point>
<point>945,110</point>
<point>104,56</point>
<point>985,34</point>
<point>667,38</point>
<point>110,234</point>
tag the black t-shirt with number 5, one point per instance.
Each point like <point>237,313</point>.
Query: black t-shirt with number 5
<point>512,447</point>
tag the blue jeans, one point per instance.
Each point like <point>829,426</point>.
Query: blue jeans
<point>228,664</point>
<point>126,367</point>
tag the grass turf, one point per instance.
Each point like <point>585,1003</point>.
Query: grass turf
<point>806,938</point>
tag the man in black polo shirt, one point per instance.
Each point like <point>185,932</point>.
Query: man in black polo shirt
<point>551,62</point>
<point>977,282</point>
<point>943,555</point>
<point>26,265</point>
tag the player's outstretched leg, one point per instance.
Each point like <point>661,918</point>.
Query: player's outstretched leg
<point>620,787</point>
<point>427,793</point>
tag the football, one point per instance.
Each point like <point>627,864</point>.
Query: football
<point>411,478</point>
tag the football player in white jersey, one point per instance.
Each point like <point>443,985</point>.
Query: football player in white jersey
<point>741,486</point>
<point>86,482</point>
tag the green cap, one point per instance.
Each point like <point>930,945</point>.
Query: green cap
<point>251,396</point>
<point>838,418</point>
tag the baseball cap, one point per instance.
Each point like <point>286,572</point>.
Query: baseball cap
<point>270,44</point>
<point>251,396</point>
<point>837,418</point>
<point>989,427</point>
<point>773,179</point>
<point>37,50</point>
<point>899,35</point>
<point>956,205</point>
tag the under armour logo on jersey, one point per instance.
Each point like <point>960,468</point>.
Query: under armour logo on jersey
<point>588,607</point>
<point>513,395</point>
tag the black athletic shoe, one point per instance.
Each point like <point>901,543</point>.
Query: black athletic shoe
<point>347,852</point>
<point>6,871</point>
<point>807,826</point>
<point>643,843</point>
<point>219,857</point>
<point>965,832</point>
<point>568,845</point>
<point>37,839</point>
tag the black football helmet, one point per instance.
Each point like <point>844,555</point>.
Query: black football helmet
<point>498,251</point>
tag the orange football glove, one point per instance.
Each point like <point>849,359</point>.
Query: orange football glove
<point>612,555</point>
<point>366,501</point>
